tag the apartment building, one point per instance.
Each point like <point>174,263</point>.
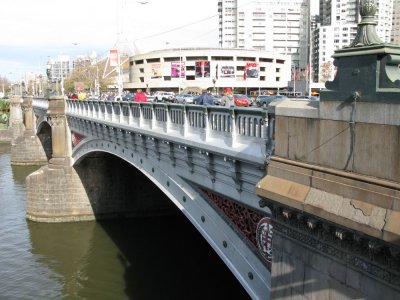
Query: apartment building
<point>395,38</point>
<point>280,26</point>
<point>338,27</point>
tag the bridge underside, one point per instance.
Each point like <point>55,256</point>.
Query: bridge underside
<point>115,188</point>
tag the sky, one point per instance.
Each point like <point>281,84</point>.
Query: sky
<point>35,31</point>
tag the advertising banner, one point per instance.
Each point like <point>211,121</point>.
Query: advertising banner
<point>202,69</point>
<point>226,70</point>
<point>156,71</point>
<point>251,70</point>
<point>113,57</point>
<point>178,69</point>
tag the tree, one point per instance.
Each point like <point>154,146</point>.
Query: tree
<point>85,74</point>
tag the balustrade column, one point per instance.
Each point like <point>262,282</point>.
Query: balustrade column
<point>16,119</point>
<point>28,114</point>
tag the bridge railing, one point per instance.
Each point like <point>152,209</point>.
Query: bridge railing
<point>230,129</point>
<point>186,119</point>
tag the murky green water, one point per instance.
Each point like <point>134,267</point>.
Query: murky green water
<point>149,258</point>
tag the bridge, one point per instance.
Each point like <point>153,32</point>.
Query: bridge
<point>325,175</point>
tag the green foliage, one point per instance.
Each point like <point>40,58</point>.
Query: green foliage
<point>85,73</point>
<point>4,106</point>
<point>4,111</point>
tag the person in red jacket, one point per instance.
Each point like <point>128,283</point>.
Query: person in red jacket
<point>140,96</point>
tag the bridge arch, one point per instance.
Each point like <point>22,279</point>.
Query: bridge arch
<point>43,132</point>
<point>186,194</point>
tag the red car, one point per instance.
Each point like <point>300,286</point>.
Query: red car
<point>241,100</point>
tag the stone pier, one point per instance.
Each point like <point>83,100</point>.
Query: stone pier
<point>26,148</point>
<point>55,192</point>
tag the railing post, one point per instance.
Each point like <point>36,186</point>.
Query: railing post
<point>233,126</point>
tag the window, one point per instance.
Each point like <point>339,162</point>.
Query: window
<point>153,60</point>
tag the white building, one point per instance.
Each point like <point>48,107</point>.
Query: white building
<point>206,68</point>
<point>58,69</point>
<point>280,26</point>
<point>339,19</point>
<point>395,39</point>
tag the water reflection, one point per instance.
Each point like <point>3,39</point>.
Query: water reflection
<point>143,258</point>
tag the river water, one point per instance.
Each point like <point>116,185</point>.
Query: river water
<point>146,258</point>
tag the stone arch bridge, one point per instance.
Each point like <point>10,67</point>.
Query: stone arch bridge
<point>110,159</point>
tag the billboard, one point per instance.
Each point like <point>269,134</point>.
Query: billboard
<point>113,57</point>
<point>156,71</point>
<point>225,70</point>
<point>202,69</point>
<point>251,70</point>
<point>178,69</point>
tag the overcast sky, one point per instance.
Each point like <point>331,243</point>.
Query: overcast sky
<point>32,31</point>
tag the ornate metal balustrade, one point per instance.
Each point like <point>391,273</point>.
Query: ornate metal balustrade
<point>239,129</point>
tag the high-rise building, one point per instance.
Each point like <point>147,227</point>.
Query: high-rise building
<point>338,28</point>
<point>280,26</point>
<point>395,38</point>
<point>58,69</point>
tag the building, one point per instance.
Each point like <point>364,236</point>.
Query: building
<point>280,26</point>
<point>395,38</point>
<point>338,28</point>
<point>208,68</point>
<point>58,69</point>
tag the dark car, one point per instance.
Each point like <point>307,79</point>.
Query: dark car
<point>265,100</point>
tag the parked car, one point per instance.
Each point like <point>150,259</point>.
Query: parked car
<point>218,100</point>
<point>164,96</point>
<point>184,98</point>
<point>241,100</point>
<point>313,98</point>
<point>150,98</point>
<point>265,100</point>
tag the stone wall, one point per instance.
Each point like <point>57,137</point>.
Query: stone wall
<point>5,136</point>
<point>301,272</point>
<point>100,186</point>
<point>28,150</point>
<point>365,148</point>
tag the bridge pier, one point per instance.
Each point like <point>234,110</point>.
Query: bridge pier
<point>333,182</point>
<point>61,192</point>
<point>26,148</point>
<point>55,192</point>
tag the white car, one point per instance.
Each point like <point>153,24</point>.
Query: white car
<point>184,98</point>
<point>164,96</point>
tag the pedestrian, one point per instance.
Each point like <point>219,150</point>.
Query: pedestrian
<point>205,99</point>
<point>227,100</point>
<point>140,96</point>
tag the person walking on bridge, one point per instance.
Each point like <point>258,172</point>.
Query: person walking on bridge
<point>140,96</point>
<point>205,98</point>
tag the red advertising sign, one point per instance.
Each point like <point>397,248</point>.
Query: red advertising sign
<point>178,69</point>
<point>113,57</point>
<point>202,69</point>
<point>251,70</point>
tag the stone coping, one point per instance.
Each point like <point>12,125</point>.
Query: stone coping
<point>295,108</point>
<point>365,206</point>
<point>363,112</point>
